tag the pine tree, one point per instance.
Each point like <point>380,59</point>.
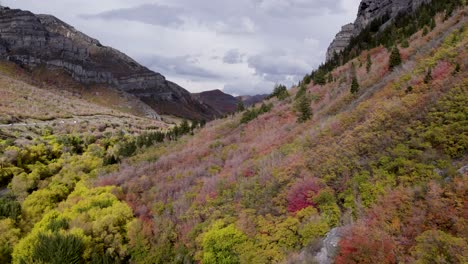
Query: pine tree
<point>280,92</point>
<point>301,92</point>
<point>369,63</point>
<point>405,44</point>
<point>457,68</point>
<point>428,77</point>
<point>425,31</point>
<point>395,58</point>
<point>240,106</point>
<point>355,86</point>
<point>319,77</point>
<point>303,109</point>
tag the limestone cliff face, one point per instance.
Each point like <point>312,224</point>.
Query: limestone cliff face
<point>369,10</point>
<point>341,41</point>
<point>373,9</point>
<point>42,40</point>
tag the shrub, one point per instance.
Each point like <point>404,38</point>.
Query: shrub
<point>301,194</point>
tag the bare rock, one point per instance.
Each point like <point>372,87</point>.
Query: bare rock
<point>370,10</point>
<point>341,41</point>
<point>42,40</point>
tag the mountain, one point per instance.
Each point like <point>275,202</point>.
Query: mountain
<point>369,11</point>
<point>250,100</point>
<point>365,161</point>
<point>42,40</point>
<point>225,103</point>
<point>218,100</point>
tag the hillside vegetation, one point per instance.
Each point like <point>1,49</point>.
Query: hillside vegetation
<point>374,147</point>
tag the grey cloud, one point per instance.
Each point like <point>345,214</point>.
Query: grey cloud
<point>271,64</point>
<point>182,66</point>
<point>288,8</point>
<point>233,57</point>
<point>244,88</point>
<point>153,14</point>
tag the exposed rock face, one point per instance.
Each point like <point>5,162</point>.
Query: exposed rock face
<point>341,41</point>
<point>369,10</point>
<point>36,40</point>
<point>221,102</point>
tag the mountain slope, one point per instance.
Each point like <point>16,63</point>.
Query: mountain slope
<point>42,40</point>
<point>223,103</point>
<point>269,190</point>
<point>363,162</point>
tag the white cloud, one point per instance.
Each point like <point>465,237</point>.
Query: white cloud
<point>243,46</point>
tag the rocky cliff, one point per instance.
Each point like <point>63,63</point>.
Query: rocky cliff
<point>341,41</point>
<point>370,10</point>
<point>42,40</point>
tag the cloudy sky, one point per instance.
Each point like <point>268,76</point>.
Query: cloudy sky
<point>239,46</point>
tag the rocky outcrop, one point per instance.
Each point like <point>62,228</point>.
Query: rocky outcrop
<point>370,10</point>
<point>341,41</point>
<point>43,40</point>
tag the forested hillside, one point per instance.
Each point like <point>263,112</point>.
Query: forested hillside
<point>372,145</point>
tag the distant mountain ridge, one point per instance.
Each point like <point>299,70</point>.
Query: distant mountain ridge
<point>220,101</point>
<point>42,40</point>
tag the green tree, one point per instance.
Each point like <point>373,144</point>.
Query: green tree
<point>435,246</point>
<point>240,106</point>
<point>369,63</point>
<point>9,236</point>
<point>56,248</point>
<point>303,108</point>
<point>405,43</point>
<point>428,77</point>
<point>280,92</point>
<point>395,58</point>
<point>221,244</point>
<point>354,86</point>
<point>319,77</point>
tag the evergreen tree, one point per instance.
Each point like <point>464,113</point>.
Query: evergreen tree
<point>280,92</point>
<point>240,106</point>
<point>301,92</point>
<point>425,31</point>
<point>319,77</point>
<point>355,86</point>
<point>194,126</point>
<point>306,79</point>
<point>457,68</point>
<point>405,44</point>
<point>433,23</point>
<point>395,58</point>
<point>428,77</point>
<point>369,63</point>
<point>184,127</point>
<point>303,108</point>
